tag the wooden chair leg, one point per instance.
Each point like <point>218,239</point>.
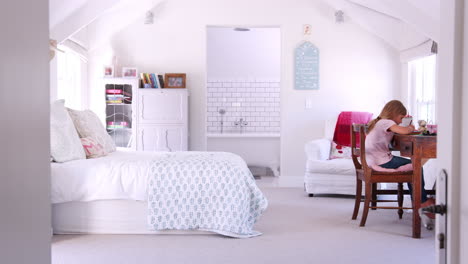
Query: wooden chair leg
<point>400,200</point>
<point>357,201</point>
<point>374,195</point>
<point>366,203</point>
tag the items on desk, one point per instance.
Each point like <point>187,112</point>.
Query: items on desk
<point>427,129</point>
<point>407,120</point>
<point>422,126</point>
<point>432,129</point>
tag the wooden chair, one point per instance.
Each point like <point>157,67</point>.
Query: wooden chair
<point>371,177</point>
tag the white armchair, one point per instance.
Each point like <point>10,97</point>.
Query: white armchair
<point>327,176</point>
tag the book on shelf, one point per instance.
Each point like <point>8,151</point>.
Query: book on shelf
<point>122,123</point>
<point>116,126</point>
<point>161,80</point>
<point>143,80</point>
<point>114,96</point>
<point>114,91</point>
<point>150,80</point>
<point>114,101</point>
<point>154,80</point>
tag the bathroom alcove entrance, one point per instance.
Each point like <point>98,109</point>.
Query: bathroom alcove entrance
<point>243,94</point>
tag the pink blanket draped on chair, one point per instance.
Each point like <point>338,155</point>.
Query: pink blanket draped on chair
<point>342,134</point>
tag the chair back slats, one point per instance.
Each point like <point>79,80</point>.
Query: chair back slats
<point>355,145</point>
<point>362,139</point>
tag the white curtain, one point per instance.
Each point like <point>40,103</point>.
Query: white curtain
<point>422,84</point>
<point>71,77</point>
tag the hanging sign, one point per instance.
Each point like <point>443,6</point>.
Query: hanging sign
<point>306,71</point>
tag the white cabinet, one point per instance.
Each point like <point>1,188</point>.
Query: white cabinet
<point>162,122</point>
<point>162,138</point>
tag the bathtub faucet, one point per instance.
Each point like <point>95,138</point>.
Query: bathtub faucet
<point>241,123</point>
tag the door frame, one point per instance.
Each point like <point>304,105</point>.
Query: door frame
<point>452,149</point>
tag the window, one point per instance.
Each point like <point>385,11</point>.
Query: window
<point>70,73</point>
<point>422,83</point>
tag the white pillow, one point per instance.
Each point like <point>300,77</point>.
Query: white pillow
<point>65,143</point>
<point>88,125</point>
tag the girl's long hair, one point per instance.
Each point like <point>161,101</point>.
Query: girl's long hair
<point>390,110</point>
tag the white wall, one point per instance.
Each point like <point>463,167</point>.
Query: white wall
<point>358,71</point>
<point>243,54</point>
<point>25,227</point>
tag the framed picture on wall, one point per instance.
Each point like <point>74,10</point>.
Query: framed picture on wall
<point>108,71</point>
<point>129,72</point>
<point>174,80</point>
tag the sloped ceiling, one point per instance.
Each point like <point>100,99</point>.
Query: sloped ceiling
<point>77,19</point>
<point>61,9</point>
<point>403,24</point>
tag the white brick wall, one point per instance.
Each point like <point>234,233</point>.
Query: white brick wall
<point>255,101</point>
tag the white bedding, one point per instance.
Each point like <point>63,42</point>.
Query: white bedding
<point>206,191</point>
<point>122,174</point>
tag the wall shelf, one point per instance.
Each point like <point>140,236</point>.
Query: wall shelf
<point>119,109</point>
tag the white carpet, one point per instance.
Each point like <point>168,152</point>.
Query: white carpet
<point>296,229</point>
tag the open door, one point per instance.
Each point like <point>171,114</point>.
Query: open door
<point>452,147</point>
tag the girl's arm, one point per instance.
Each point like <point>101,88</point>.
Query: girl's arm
<point>401,129</point>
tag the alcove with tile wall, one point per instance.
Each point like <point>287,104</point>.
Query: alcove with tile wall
<point>243,93</point>
<point>243,106</point>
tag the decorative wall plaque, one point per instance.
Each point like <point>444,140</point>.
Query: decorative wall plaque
<point>306,71</point>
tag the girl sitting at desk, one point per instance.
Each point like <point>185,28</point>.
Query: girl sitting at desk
<point>380,133</point>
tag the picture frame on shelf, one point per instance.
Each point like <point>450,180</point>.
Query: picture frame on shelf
<point>129,72</point>
<point>108,71</point>
<point>174,80</point>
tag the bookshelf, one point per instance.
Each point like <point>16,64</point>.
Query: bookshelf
<point>119,93</point>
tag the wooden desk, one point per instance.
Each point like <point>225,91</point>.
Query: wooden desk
<point>417,147</point>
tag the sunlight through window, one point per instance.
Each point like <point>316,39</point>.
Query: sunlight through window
<point>422,83</point>
<point>69,75</point>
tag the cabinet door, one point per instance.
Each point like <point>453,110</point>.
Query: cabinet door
<point>159,106</point>
<point>162,138</point>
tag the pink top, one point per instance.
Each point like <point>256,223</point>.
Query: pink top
<point>377,141</point>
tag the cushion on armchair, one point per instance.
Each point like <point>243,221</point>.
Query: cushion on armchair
<point>339,151</point>
<point>318,149</point>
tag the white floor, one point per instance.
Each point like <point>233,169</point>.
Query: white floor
<point>296,229</point>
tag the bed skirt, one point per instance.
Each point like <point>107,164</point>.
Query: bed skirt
<point>105,217</point>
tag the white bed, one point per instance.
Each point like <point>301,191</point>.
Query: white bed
<point>106,195</point>
<point>122,174</point>
<point>105,217</point>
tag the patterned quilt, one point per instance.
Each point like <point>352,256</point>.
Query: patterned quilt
<point>207,191</point>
